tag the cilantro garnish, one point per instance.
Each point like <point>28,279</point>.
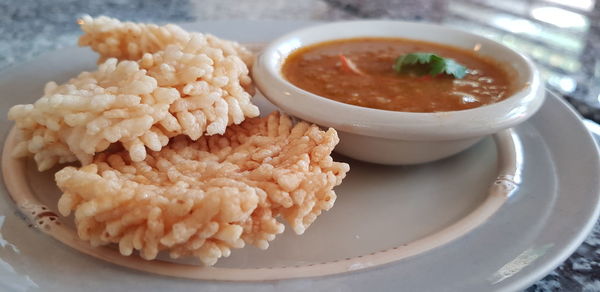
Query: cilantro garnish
<point>429,63</point>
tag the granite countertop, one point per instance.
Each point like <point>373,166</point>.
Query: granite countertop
<point>562,36</point>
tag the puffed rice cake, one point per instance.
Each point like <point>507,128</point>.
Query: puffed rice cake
<point>112,38</point>
<point>202,198</point>
<point>194,88</point>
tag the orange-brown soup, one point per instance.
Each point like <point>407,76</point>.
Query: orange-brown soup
<point>319,69</point>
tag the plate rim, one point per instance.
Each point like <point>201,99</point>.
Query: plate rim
<point>568,250</point>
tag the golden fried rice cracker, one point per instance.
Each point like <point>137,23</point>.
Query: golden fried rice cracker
<point>112,38</point>
<point>202,198</point>
<point>194,90</point>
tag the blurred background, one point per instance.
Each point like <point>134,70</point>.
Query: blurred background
<point>562,36</point>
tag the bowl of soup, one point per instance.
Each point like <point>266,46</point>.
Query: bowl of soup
<point>399,92</point>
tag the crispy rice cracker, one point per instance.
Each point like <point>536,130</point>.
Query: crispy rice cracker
<point>203,198</point>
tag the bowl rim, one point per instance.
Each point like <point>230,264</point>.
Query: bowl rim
<point>487,119</point>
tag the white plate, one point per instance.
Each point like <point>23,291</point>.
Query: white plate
<point>537,228</point>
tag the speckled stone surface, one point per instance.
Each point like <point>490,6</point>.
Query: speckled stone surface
<point>29,28</point>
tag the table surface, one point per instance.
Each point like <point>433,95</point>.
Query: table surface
<point>562,36</point>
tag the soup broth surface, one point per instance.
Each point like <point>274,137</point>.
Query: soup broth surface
<point>319,69</point>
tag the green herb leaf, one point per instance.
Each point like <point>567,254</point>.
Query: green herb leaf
<point>429,63</point>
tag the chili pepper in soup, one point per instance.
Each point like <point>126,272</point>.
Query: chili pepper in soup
<point>361,72</point>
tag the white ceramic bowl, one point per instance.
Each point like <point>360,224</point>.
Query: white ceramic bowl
<point>391,137</point>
